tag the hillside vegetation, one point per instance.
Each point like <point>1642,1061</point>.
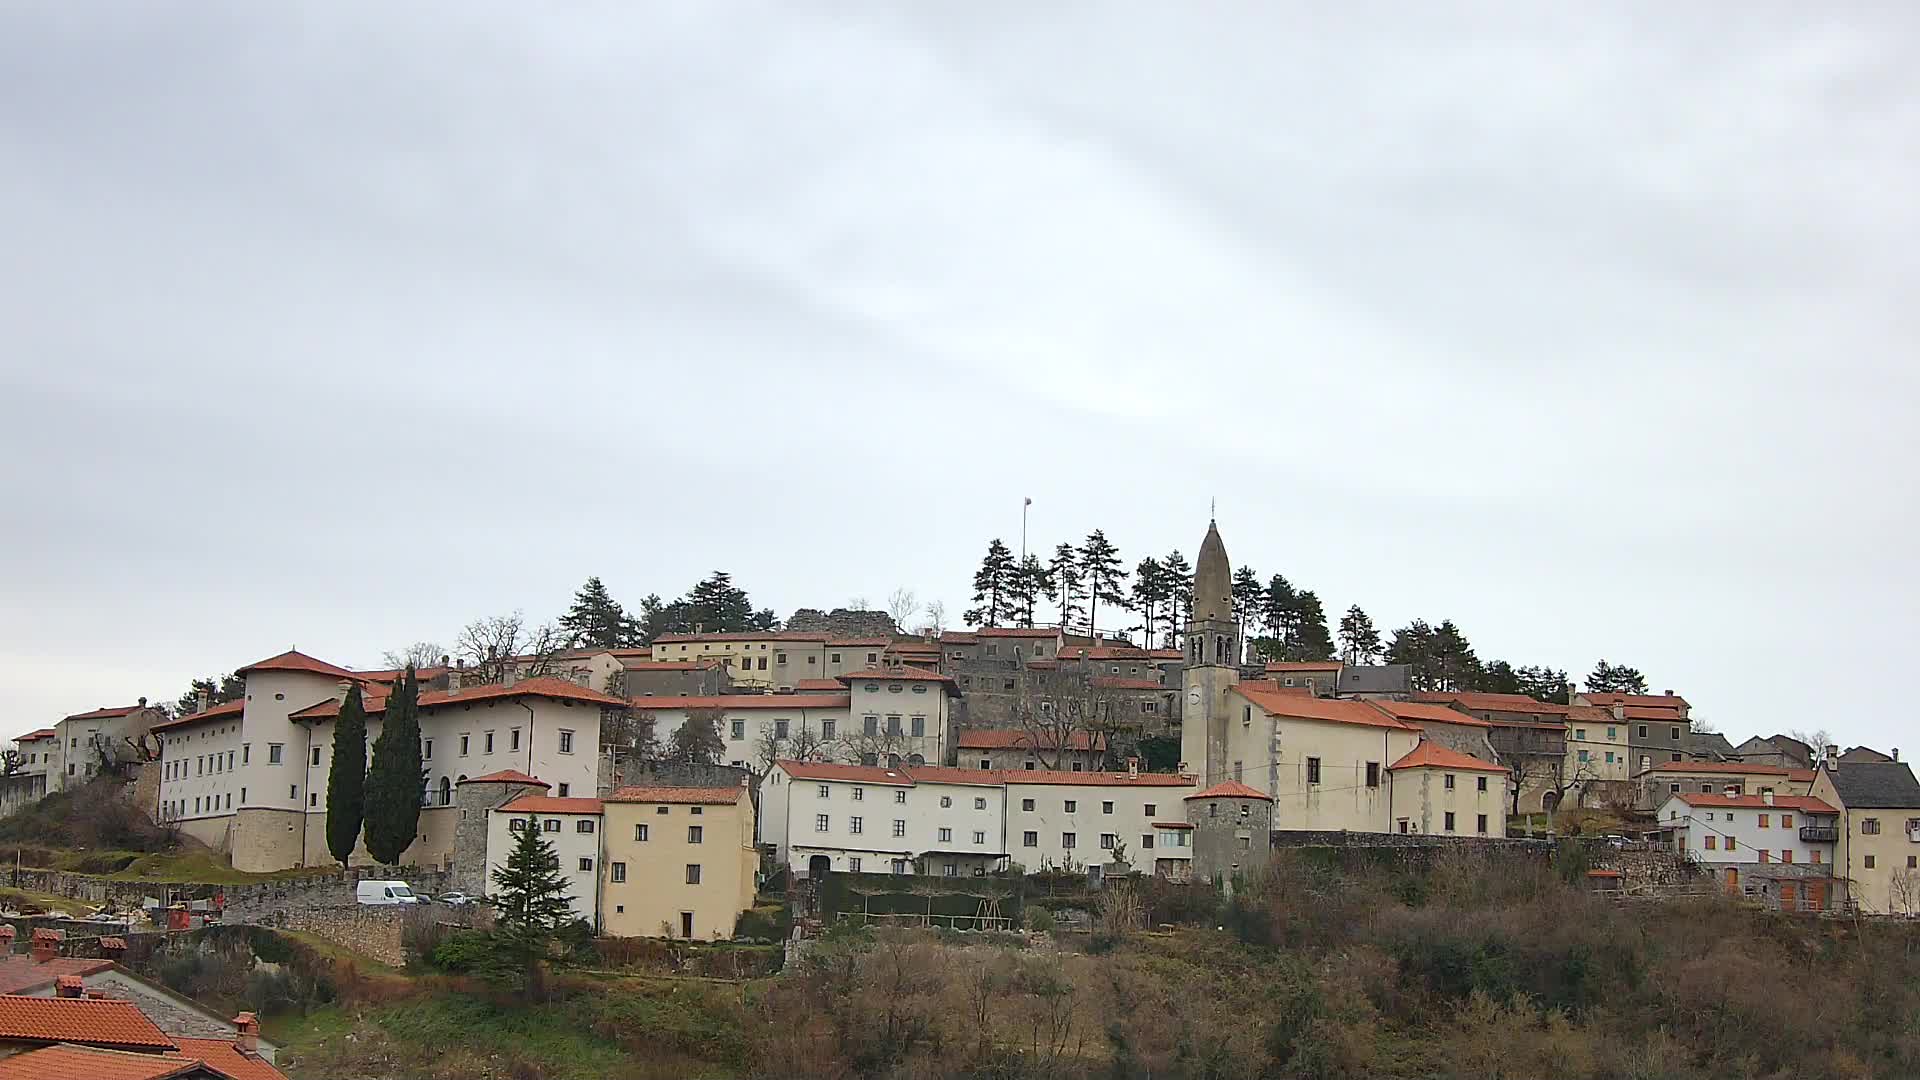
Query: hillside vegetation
<point>1477,967</point>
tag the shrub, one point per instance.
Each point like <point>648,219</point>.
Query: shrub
<point>1039,918</point>
<point>768,922</point>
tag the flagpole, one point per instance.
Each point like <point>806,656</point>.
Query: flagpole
<point>1026,502</point>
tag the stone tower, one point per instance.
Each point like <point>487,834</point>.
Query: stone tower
<point>1232,832</point>
<point>1212,663</point>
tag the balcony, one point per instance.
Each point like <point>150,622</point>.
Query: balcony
<point>1819,834</point>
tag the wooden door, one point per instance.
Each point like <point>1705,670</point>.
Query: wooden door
<point>1789,897</point>
<point>1816,895</point>
<point>1733,880</point>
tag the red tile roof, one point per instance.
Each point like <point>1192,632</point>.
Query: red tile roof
<point>20,973</point>
<point>92,1021</point>
<point>1303,665</point>
<point>1650,700</point>
<point>1734,767</point>
<point>1166,654</point>
<point>221,711</point>
<point>1634,712</point>
<point>394,674</point>
<point>1485,702</point>
<point>1173,824</point>
<point>545,686</point>
<point>1431,755</point>
<point>104,713</point>
<point>805,686</point>
<point>744,635</point>
<point>908,673</point>
<point>1415,711</point>
<point>1804,803</point>
<point>506,776</point>
<point>940,774</point>
<point>549,804</point>
<point>294,660</point>
<point>1231,789</point>
<point>221,1054</point>
<point>1306,707</point>
<point>859,774</point>
<point>1019,739</point>
<point>957,637</point>
<point>1801,776</point>
<point>729,702</point>
<point>1094,779</point>
<point>66,1062</point>
<point>679,796</point>
<point>859,643</point>
<point>43,733</point>
<point>1118,682</point>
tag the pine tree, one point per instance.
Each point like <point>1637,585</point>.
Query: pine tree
<point>1359,641</point>
<point>1151,593</point>
<point>1031,584</point>
<point>1278,610</point>
<point>597,619</point>
<point>1101,562</point>
<point>697,740</point>
<point>530,901</point>
<point>1616,679</point>
<point>1179,578</point>
<point>219,691</point>
<point>1413,646</point>
<point>347,779</point>
<point>1543,684</point>
<point>993,587</point>
<point>1248,598</point>
<point>1310,640</point>
<point>396,781</point>
<point>1457,667</point>
<point>717,605</point>
<point>1064,573</point>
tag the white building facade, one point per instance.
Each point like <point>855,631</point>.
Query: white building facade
<point>824,816</point>
<point>1068,820</point>
<point>572,826</point>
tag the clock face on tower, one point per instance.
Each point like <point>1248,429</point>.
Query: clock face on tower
<point>1193,696</point>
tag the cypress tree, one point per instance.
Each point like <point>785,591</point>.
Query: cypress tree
<point>347,782</point>
<point>396,780</point>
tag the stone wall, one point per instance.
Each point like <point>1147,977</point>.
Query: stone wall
<point>1310,838</point>
<point>260,903</point>
<point>842,622</point>
<point>474,801</point>
<point>372,931</point>
<point>20,789</point>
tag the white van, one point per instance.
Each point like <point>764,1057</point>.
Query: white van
<point>387,892</point>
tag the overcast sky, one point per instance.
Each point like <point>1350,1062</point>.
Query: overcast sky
<point>337,325</point>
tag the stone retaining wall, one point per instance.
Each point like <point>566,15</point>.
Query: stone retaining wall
<point>255,903</point>
<point>372,931</point>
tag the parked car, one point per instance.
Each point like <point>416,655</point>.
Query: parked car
<point>377,893</point>
<point>459,899</point>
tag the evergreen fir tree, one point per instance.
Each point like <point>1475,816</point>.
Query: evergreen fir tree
<point>596,619</point>
<point>697,740</point>
<point>1249,598</point>
<point>1457,667</point>
<point>1544,684</point>
<point>347,779</point>
<point>530,901</point>
<point>993,586</point>
<point>1151,593</point>
<point>396,781</point>
<point>1179,577</point>
<point>1413,646</point>
<point>1064,573</point>
<point>1615,679</point>
<point>1359,640</point>
<point>1278,611</point>
<point>1030,584</point>
<point>1311,641</point>
<point>1100,561</point>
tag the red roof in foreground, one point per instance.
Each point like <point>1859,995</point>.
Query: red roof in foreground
<point>1231,789</point>
<point>1431,755</point>
<point>1804,803</point>
<point>1416,711</point>
<point>93,1021</point>
<point>19,973</point>
<point>43,733</point>
<point>294,660</point>
<point>65,1062</point>
<point>224,1056</point>
<point>695,796</point>
<point>549,804</point>
<point>506,776</point>
<point>831,770</point>
<point>1276,700</point>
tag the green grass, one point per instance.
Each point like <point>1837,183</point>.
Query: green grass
<point>197,867</point>
<point>18,898</point>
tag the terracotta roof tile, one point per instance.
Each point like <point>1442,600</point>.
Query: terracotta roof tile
<point>1736,768</point>
<point>859,774</point>
<point>1231,789</point>
<point>1306,707</point>
<point>744,702</point>
<point>222,711</point>
<point>68,1062</point>
<point>816,686</point>
<point>1647,700</point>
<point>554,689</point>
<point>105,713</point>
<point>506,776</point>
<point>1094,779</point>
<point>1474,699</point>
<point>1415,711</point>
<point>549,804</point>
<point>224,1056</point>
<point>43,733</point>
<point>20,974</point>
<point>1431,755</point>
<point>908,673</point>
<point>294,660</point>
<point>91,1021</point>
<point>693,796</point>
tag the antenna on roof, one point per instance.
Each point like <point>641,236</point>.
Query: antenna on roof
<point>1213,506</point>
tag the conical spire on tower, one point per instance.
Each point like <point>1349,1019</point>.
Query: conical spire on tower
<point>1213,579</point>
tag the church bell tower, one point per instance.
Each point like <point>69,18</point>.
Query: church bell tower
<point>1212,664</point>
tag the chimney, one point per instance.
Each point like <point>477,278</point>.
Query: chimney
<point>1619,712</point>
<point>246,1034</point>
<point>1767,796</point>
<point>1833,756</point>
<point>202,702</point>
<point>69,986</point>
<point>97,994</point>
<point>454,675</point>
<point>143,703</point>
<point>46,945</point>
<point>509,671</point>
<point>7,934</point>
<point>1669,693</point>
<point>113,948</point>
<point>1896,753</point>
<point>1133,768</point>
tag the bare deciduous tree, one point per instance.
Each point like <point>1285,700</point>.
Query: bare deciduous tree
<point>1817,740</point>
<point>490,644</point>
<point>1064,711</point>
<point>936,618</point>
<point>12,761</point>
<point>1903,892</point>
<point>881,746</point>
<point>801,744</point>
<point>902,606</point>
<point>420,654</point>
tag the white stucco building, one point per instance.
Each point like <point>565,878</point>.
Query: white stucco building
<point>1059,820</point>
<point>1758,843</point>
<point>871,819</point>
<point>572,826</point>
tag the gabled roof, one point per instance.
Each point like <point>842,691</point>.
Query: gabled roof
<point>1094,779</point>
<point>506,776</point>
<point>940,774</point>
<point>1230,789</point>
<point>1298,706</point>
<point>545,686</point>
<point>1020,739</point>
<point>221,711</point>
<point>1803,803</point>
<point>65,1061</point>
<point>743,702</point>
<point>832,770</point>
<point>818,686</point>
<point>43,733</point>
<point>104,713</point>
<point>1485,702</point>
<point>1668,701</point>
<point>1431,755</point>
<point>294,660</point>
<point>20,973</point>
<point>108,1022</point>
<point>1734,768</point>
<point>679,796</point>
<point>1867,785</point>
<point>221,1054</point>
<point>1417,711</point>
<point>1289,666</point>
<point>549,804</point>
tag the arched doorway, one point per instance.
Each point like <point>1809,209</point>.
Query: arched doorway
<point>819,866</point>
<point>446,792</point>
<point>1550,801</point>
<point>916,759</point>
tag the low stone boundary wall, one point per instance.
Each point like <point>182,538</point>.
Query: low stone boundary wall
<point>254,902</point>
<point>1340,838</point>
<point>372,931</point>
